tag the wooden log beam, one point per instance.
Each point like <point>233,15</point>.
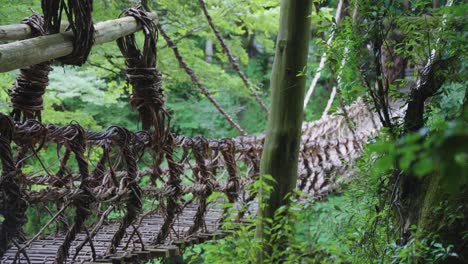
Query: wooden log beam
<point>14,32</point>
<point>27,52</point>
<point>21,31</point>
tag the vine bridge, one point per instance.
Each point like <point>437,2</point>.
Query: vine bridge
<point>182,175</point>
<point>135,195</point>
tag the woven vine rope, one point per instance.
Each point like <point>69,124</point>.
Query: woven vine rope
<point>79,16</point>
<point>195,167</point>
<point>29,88</point>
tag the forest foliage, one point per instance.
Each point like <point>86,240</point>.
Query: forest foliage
<point>354,225</point>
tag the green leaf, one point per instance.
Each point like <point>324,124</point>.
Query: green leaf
<point>423,167</point>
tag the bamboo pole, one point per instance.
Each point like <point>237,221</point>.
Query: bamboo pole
<point>23,53</point>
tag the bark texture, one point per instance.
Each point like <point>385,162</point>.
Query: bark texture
<point>280,152</point>
<point>419,197</point>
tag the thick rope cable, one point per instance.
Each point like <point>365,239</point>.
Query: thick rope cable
<point>82,198</point>
<point>79,16</point>
<point>173,201</point>
<point>146,79</point>
<point>200,153</point>
<point>29,88</point>
<point>12,203</point>
<point>233,187</point>
<point>133,202</point>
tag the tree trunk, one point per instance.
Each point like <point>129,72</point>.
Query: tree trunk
<point>281,149</point>
<point>415,194</point>
<point>209,51</point>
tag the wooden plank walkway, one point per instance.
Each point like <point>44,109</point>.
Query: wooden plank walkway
<point>45,249</point>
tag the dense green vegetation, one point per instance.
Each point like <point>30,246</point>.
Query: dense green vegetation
<point>250,36</point>
<point>366,220</point>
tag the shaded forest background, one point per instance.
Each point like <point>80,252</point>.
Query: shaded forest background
<point>89,93</point>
